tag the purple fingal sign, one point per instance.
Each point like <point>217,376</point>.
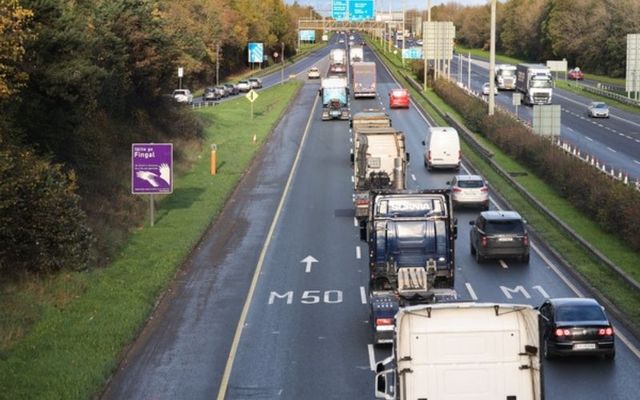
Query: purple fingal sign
<point>151,168</point>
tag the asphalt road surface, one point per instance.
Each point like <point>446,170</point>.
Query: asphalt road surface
<point>304,332</point>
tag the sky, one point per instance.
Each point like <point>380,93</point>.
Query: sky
<point>324,6</point>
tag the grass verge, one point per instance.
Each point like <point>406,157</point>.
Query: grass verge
<point>70,329</point>
<point>597,275</point>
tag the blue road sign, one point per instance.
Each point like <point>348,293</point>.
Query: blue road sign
<point>361,10</point>
<point>339,10</point>
<point>413,53</point>
<point>256,52</point>
<point>308,36</point>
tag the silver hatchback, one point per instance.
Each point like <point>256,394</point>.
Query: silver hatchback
<point>469,190</point>
<point>598,109</point>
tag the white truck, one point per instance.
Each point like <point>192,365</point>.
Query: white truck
<point>338,61</point>
<point>335,98</point>
<point>471,351</point>
<point>535,82</point>
<point>356,53</point>
<point>505,76</point>
<point>364,79</point>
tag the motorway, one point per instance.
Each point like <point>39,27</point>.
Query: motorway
<point>303,331</point>
<point>614,141</point>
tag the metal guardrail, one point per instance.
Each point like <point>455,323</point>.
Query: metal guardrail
<point>602,91</point>
<point>473,142</point>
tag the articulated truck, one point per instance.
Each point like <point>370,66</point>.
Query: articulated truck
<point>367,118</point>
<point>505,76</point>
<point>462,350</point>
<point>364,79</point>
<point>338,61</point>
<point>535,83</point>
<point>335,98</point>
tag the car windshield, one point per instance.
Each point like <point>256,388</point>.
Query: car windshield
<point>600,105</point>
<point>399,93</point>
<point>176,92</point>
<point>504,226</point>
<point>467,183</point>
<point>579,313</point>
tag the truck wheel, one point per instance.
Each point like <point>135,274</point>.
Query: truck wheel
<point>473,250</point>
<point>479,258</point>
<point>525,259</point>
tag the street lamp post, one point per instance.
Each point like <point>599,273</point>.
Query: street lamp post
<point>492,60</point>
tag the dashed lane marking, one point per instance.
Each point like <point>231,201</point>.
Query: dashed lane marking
<point>358,254</point>
<point>504,264</point>
<point>472,292</point>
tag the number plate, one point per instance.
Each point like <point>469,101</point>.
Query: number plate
<point>505,239</point>
<point>584,346</point>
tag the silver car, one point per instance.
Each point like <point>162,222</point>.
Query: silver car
<point>183,96</point>
<point>598,109</point>
<point>244,86</point>
<point>469,190</point>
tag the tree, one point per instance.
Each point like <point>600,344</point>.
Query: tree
<point>12,26</point>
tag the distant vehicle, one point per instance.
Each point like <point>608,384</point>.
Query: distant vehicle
<point>256,83</point>
<point>244,86</point>
<point>211,94</point>
<point>231,88</point>
<point>337,61</point>
<point>183,96</point>
<point>442,148</point>
<point>598,109</point>
<point>419,42</point>
<point>469,190</point>
<point>222,91</point>
<point>486,89</point>
<point>399,98</point>
<point>351,37</point>
<point>575,74</point>
<point>314,73</point>
<point>535,82</point>
<point>499,234</point>
<point>351,43</point>
<point>505,76</point>
<point>575,326</point>
<point>356,54</point>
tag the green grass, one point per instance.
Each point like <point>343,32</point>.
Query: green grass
<point>597,275</point>
<point>577,89</point>
<point>69,330</point>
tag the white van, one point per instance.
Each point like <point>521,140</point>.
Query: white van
<point>442,149</point>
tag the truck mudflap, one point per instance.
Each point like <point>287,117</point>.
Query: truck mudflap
<point>361,204</point>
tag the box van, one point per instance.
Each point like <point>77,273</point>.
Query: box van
<point>442,148</point>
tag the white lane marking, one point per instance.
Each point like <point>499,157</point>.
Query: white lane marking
<point>355,221</point>
<point>637,140</point>
<point>571,129</point>
<point>222,391</point>
<point>363,295</point>
<point>504,264</point>
<point>611,149</point>
<point>621,134</point>
<point>352,179</point>
<point>413,177</point>
<point>472,292</point>
<point>581,104</point>
<point>372,357</point>
<point>636,161</point>
<point>589,139</point>
<point>358,255</point>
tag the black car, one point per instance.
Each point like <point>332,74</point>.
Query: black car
<point>211,94</point>
<point>499,234</point>
<point>231,88</point>
<point>575,326</point>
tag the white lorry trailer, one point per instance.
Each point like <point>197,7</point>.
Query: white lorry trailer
<point>470,351</point>
<point>356,54</point>
<point>338,61</point>
<point>505,77</point>
<point>535,83</point>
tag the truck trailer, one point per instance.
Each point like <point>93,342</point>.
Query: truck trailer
<point>338,61</point>
<point>535,83</point>
<point>364,79</point>
<point>367,118</point>
<point>471,351</point>
<point>356,54</point>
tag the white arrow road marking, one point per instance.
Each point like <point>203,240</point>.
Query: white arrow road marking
<point>309,260</point>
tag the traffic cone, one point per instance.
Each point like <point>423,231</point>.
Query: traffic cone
<point>255,139</point>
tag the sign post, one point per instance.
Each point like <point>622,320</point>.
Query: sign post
<point>180,75</point>
<point>151,170</point>
<point>632,84</point>
<point>516,100</point>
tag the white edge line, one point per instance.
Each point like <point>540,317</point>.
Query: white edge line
<point>372,357</point>
<point>222,391</point>
<point>355,222</point>
<point>363,295</point>
<point>472,292</point>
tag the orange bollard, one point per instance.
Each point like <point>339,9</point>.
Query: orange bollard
<point>214,156</point>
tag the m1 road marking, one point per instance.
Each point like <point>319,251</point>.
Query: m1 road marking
<point>520,289</point>
<point>472,292</point>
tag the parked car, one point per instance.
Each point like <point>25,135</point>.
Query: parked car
<point>575,326</point>
<point>469,190</point>
<point>399,98</point>
<point>231,88</point>
<point>575,74</point>
<point>211,94</point>
<point>244,86</point>
<point>486,89</point>
<point>183,96</point>
<point>256,83</point>
<point>499,234</point>
<point>598,109</point>
<point>314,73</point>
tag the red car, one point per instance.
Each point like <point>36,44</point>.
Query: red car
<point>575,74</point>
<point>399,98</point>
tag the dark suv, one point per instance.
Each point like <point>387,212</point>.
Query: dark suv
<point>499,234</point>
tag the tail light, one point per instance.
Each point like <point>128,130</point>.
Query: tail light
<point>456,190</point>
<point>362,202</point>
<point>562,332</point>
<point>605,331</point>
<point>384,321</point>
<point>484,189</point>
<point>525,239</point>
<point>483,241</point>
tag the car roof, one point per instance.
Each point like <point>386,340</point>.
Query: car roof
<point>500,215</point>
<point>469,178</point>
<point>574,301</point>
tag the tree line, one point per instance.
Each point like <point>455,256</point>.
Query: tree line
<point>80,80</point>
<point>590,34</point>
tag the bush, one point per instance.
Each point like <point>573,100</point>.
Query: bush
<point>611,204</point>
<point>42,227</point>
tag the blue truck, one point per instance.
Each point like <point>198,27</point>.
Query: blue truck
<point>411,239</point>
